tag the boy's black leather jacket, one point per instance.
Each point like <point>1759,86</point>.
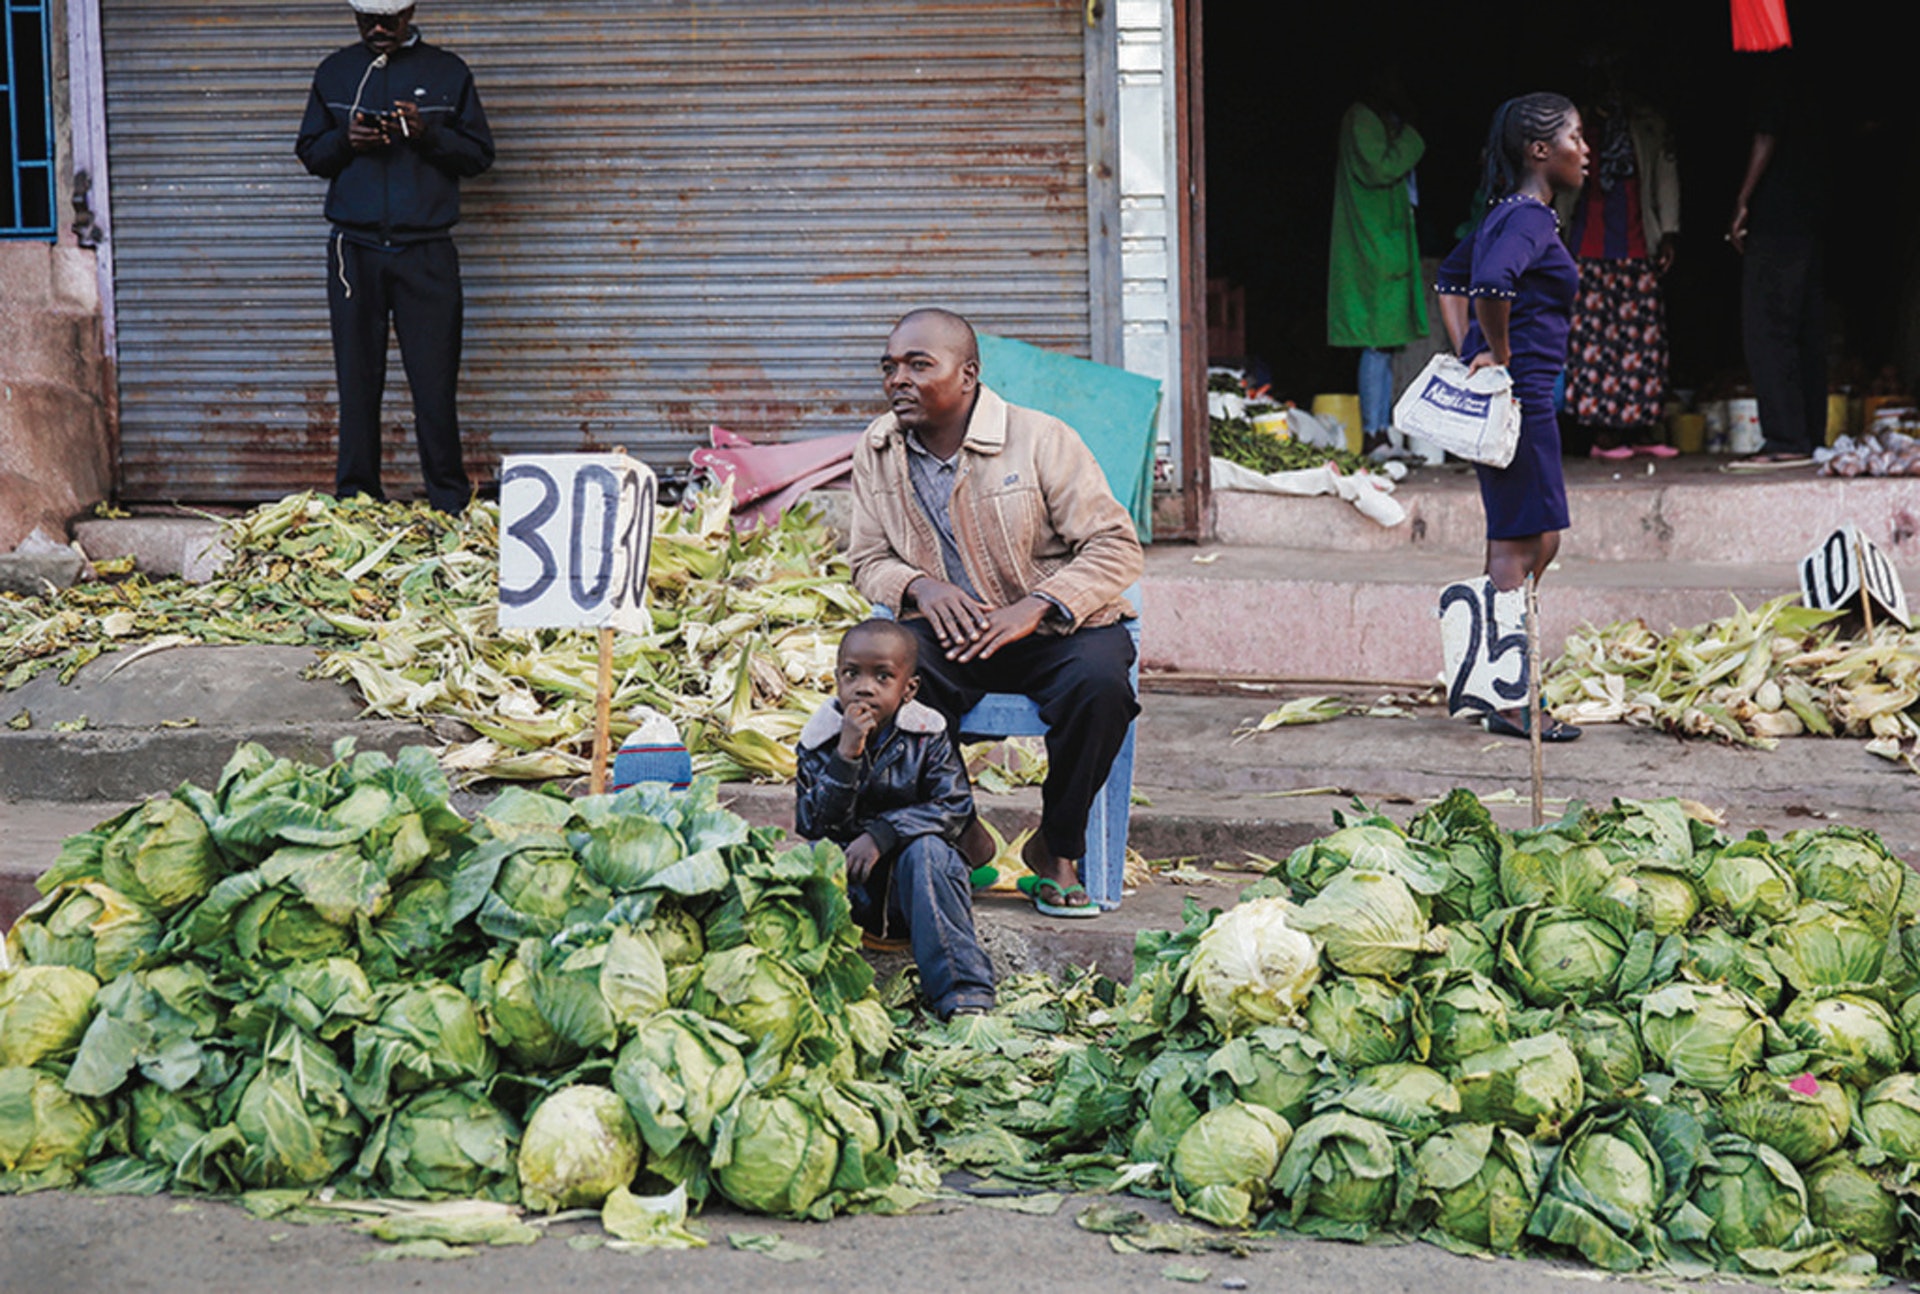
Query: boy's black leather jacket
<point>410,190</point>
<point>910,781</point>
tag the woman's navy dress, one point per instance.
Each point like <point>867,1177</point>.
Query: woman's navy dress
<point>1517,255</point>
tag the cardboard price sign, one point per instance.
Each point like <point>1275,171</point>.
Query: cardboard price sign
<point>1849,566</point>
<point>1483,634</point>
<point>576,531</point>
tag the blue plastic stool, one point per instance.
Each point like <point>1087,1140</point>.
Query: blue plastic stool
<point>1009,714</point>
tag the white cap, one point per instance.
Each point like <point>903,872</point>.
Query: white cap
<point>380,6</point>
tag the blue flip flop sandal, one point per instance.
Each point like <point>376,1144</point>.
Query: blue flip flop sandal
<point>1047,908</point>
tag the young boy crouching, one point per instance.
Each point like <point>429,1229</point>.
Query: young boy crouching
<point>880,777</point>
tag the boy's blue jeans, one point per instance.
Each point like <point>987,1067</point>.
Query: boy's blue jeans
<point>931,897</point>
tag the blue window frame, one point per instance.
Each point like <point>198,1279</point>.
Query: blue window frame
<point>26,121</point>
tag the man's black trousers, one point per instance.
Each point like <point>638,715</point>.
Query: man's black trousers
<point>417,287</point>
<point>1079,681</point>
<point>1784,321</point>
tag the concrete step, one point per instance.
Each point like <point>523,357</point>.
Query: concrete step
<point>1313,614</point>
<point>1684,510</point>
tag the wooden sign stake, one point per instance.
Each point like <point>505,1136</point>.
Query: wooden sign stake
<point>1535,718</point>
<point>602,714</point>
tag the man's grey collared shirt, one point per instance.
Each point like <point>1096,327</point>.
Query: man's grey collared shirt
<point>933,485</point>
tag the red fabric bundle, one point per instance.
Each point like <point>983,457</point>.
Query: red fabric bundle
<point>1760,26</point>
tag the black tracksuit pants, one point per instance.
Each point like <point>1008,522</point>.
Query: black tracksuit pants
<point>416,286</point>
<point>1078,680</point>
<point>1784,323</point>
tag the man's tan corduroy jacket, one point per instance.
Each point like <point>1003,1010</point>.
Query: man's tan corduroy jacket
<point>1031,513</point>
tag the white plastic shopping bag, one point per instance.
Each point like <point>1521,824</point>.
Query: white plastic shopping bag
<point>1471,415</point>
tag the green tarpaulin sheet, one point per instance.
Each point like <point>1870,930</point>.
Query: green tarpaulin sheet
<point>1112,409</point>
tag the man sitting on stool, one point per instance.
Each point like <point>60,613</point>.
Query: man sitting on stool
<point>991,529</point>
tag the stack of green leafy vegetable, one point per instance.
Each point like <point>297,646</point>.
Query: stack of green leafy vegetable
<point>402,601</point>
<point>1622,1036</point>
<point>325,976</point>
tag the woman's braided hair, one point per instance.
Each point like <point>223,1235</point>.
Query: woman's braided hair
<point>1518,123</point>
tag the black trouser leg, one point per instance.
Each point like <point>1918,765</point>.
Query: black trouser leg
<point>1783,323</point>
<point>428,311</point>
<point>357,306</point>
<point>1080,684</point>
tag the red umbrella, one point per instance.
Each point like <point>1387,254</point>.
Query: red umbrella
<point>1760,25</point>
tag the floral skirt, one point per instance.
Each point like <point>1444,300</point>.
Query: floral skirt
<point>1617,348</point>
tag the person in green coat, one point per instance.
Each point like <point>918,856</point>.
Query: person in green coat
<point>1375,297</point>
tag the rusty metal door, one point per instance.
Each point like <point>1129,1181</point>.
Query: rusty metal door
<point>701,213</point>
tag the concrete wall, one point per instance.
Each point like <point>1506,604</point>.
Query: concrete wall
<point>56,456</point>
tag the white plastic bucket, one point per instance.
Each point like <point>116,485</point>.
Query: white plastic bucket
<point>1743,427</point>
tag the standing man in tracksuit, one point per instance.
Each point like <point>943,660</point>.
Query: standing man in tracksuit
<point>394,124</point>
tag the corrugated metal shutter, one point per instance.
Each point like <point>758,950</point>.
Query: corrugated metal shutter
<point>701,212</point>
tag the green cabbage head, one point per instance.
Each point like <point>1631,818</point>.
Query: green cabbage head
<point>1223,1162</point>
<point>1469,1014</point>
<point>783,1155</point>
<point>579,1145</point>
<point>1475,1186</point>
<point>1854,1032</point>
<point>1853,1203</point>
<point>1747,882</point>
<point>451,1142</point>
<point>1604,1192</point>
<point>44,1012</point>
<point>1532,1085</point>
<point>46,1134</point>
<point>1339,1176</point>
<point>1890,1117</point>
<point>1274,1066</point>
<point>1705,1035</point>
<point>1803,1117</point>
<point>1361,1020</point>
<point>1253,966</point>
<point>1558,955</point>
<point>1608,1046</point>
<point>1369,923</point>
<point>1753,1194</point>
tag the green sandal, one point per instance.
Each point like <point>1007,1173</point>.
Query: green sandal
<point>1048,908</point>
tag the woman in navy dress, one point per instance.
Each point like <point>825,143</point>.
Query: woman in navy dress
<point>1521,281</point>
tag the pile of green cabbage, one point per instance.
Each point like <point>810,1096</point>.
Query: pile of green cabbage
<point>1621,1036</point>
<point>326,976</point>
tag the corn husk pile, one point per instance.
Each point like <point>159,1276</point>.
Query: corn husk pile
<point>401,600</point>
<point>1780,670</point>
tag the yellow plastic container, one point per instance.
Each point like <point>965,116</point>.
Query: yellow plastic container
<point>1689,432</point>
<point>1345,410</point>
<point>1273,424</point>
<point>1836,417</point>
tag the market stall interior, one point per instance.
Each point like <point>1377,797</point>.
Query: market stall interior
<point>1277,80</point>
